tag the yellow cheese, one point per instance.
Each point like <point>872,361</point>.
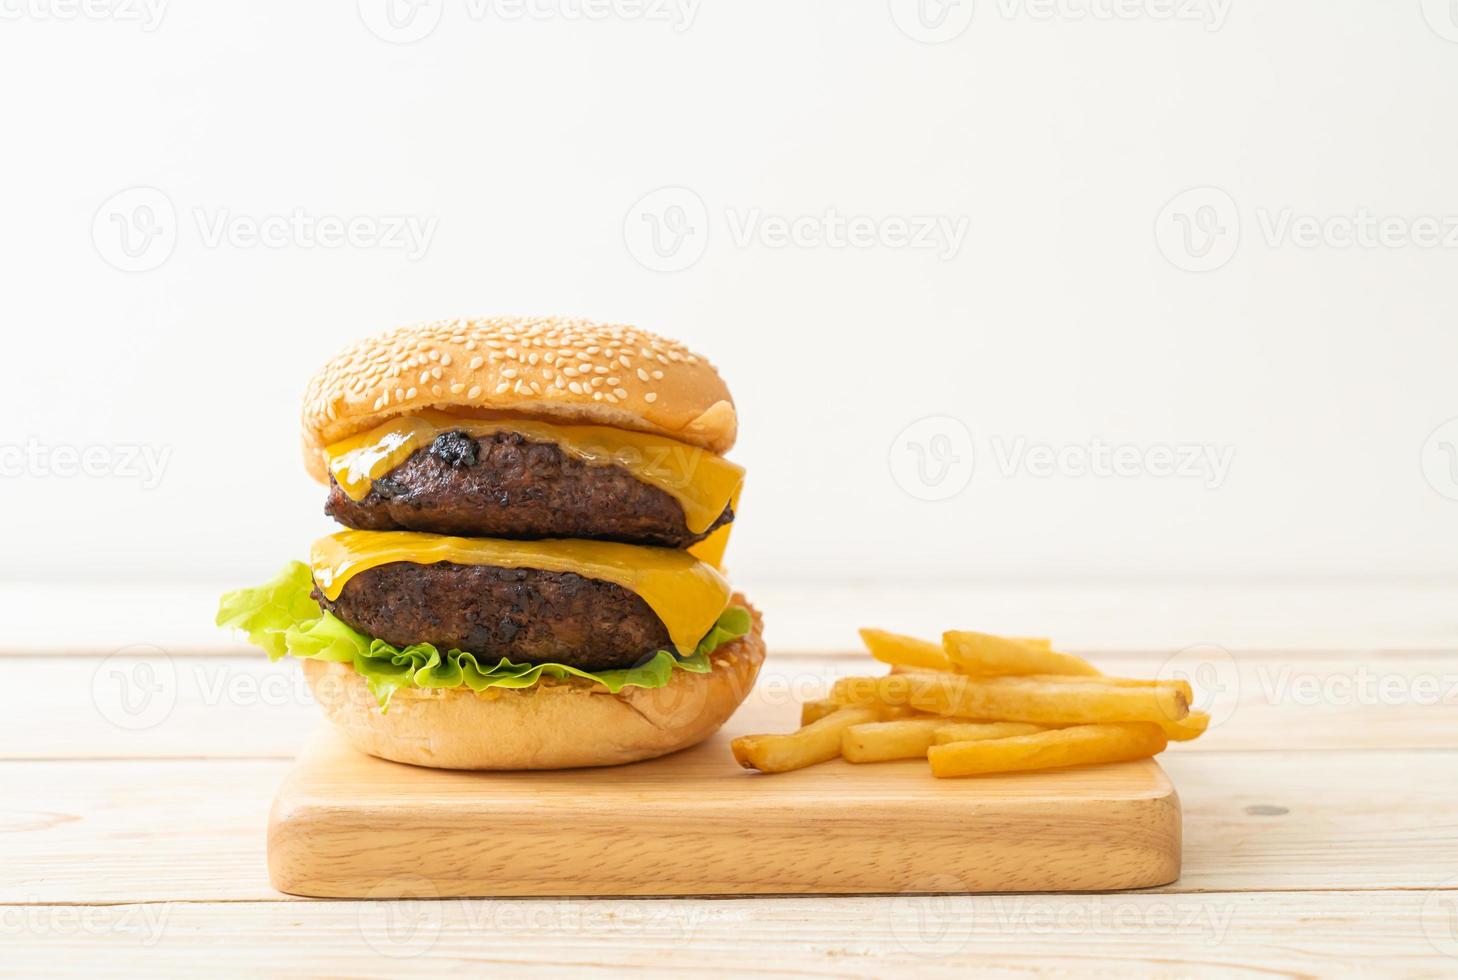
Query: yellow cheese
<point>701,482</point>
<point>685,593</point>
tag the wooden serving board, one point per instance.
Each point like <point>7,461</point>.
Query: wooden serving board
<point>346,825</point>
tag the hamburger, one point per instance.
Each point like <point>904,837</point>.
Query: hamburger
<point>529,573</point>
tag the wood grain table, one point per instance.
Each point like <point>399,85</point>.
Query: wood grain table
<point>1321,837</point>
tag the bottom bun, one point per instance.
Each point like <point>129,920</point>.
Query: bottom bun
<point>550,725</point>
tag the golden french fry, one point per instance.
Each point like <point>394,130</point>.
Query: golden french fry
<point>818,741</point>
<point>953,730</point>
<point>1014,699</point>
<point>1036,642</point>
<point>903,669</point>
<point>1191,726</point>
<point>1077,746</point>
<point>1179,685</point>
<point>904,651</point>
<point>985,654</point>
<point>815,710</point>
<point>905,738</point>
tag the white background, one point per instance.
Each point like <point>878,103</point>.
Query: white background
<point>1065,318</point>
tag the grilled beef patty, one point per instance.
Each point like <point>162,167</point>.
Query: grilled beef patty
<point>523,614</point>
<point>503,486</point>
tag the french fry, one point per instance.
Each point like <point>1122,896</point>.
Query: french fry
<point>1191,726</point>
<point>979,731</point>
<point>1179,685</point>
<point>905,738</point>
<point>988,655</point>
<point>1057,749</point>
<point>1014,699</point>
<point>905,651</point>
<point>818,741</point>
<point>815,710</point>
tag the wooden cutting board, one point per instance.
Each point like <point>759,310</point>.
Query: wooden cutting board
<point>346,825</point>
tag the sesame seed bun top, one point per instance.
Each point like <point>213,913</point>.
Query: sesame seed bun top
<point>563,370</point>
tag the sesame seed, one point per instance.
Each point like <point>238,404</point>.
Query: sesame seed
<point>651,397</point>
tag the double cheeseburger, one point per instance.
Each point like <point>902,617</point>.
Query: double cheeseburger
<point>535,515</point>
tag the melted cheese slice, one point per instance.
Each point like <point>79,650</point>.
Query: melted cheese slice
<point>685,593</point>
<point>702,483</point>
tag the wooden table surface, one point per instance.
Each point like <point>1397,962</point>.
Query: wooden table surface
<point>1321,836</point>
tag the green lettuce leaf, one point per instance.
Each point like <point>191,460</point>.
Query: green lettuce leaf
<point>282,619</point>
